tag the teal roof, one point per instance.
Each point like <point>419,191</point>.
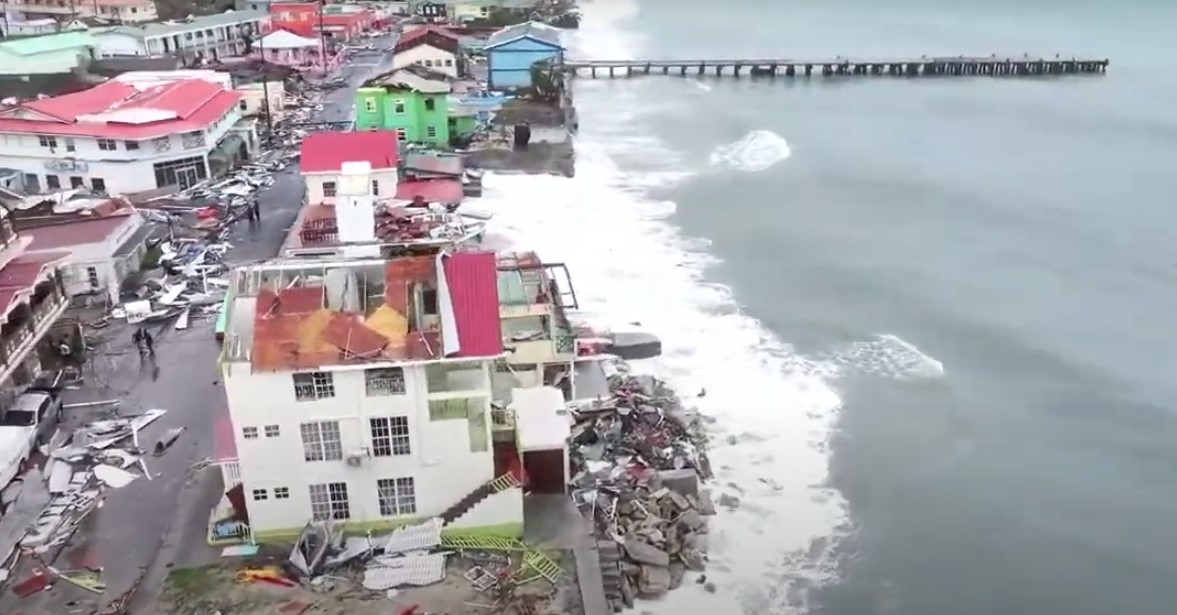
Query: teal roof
<point>532,29</point>
<point>47,43</point>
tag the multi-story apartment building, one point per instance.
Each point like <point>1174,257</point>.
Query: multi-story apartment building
<point>64,11</point>
<point>124,138</point>
<point>206,36</point>
<point>32,298</point>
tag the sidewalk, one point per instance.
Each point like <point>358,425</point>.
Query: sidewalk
<point>124,537</point>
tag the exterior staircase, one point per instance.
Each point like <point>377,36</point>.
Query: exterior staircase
<point>485,490</point>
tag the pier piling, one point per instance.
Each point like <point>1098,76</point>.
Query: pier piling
<point>993,66</point>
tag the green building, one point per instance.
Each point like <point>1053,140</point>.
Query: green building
<point>413,101</point>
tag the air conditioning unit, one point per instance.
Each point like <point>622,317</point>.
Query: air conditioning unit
<point>357,457</point>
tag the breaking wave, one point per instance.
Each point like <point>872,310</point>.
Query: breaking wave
<point>773,411</point>
<point>754,152</point>
<point>889,356</point>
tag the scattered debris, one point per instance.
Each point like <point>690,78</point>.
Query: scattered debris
<point>638,457</point>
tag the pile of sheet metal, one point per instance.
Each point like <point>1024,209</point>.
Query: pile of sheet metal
<point>43,510</point>
<point>638,457</point>
<point>408,556</point>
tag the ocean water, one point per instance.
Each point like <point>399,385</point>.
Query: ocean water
<point>932,317</point>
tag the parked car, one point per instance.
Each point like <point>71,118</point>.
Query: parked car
<point>24,426</point>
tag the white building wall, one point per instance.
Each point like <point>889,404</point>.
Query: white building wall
<point>118,44</point>
<point>386,180</point>
<point>99,255</point>
<point>440,462</point>
<point>122,170</point>
<point>254,93</point>
<point>431,57</point>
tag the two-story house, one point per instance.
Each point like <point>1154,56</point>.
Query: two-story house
<point>222,35</point>
<point>121,138</point>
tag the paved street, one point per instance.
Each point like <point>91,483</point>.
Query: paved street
<point>146,528</point>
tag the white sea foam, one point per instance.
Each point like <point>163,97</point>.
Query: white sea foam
<point>752,153</point>
<point>773,410</point>
<point>889,356</point>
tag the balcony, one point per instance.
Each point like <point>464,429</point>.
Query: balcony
<point>27,324</point>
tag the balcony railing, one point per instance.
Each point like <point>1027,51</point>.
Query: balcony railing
<point>12,343</point>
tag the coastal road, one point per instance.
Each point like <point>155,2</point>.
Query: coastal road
<point>281,202</point>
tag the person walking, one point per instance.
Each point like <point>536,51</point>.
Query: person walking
<point>149,342</point>
<point>137,338</point>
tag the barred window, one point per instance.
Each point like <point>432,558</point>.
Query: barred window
<point>321,441</point>
<point>313,385</point>
<point>397,496</point>
<point>384,381</point>
<point>390,436</point>
<point>329,501</point>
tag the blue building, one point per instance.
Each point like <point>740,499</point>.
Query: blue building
<point>512,51</point>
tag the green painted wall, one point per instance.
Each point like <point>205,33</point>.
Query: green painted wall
<point>423,117</point>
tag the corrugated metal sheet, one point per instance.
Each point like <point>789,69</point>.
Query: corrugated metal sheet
<point>473,282</point>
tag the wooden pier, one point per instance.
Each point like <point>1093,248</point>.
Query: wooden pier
<point>842,67</point>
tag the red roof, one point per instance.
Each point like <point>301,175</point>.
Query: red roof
<point>325,152</point>
<point>75,232</point>
<point>431,190</point>
<point>474,289</point>
<point>120,110</point>
<point>20,275</point>
<point>428,35</point>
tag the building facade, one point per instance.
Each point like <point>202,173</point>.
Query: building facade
<point>513,51</point>
<point>323,155</point>
<point>117,138</point>
<point>211,37</point>
<point>31,301</point>
<point>413,102</point>
<point>359,390</point>
<point>124,11</point>
<point>432,47</point>
<point>51,54</point>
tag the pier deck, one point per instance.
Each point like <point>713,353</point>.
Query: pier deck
<point>837,67</point>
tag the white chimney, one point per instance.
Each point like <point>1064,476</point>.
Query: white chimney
<point>355,209</point>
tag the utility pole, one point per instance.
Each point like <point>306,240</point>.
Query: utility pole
<point>261,45</point>
<point>322,39</point>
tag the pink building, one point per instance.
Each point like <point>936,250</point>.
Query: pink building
<point>289,49</point>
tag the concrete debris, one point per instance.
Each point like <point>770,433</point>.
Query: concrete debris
<point>638,457</point>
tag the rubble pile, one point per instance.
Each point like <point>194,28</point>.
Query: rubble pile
<point>324,560</point>
<point>638,457</point>
<point>42,511</point>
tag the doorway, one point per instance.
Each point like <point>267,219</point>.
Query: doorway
<point>187,177</point>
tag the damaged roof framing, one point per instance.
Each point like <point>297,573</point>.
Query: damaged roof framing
<point>308,314</point>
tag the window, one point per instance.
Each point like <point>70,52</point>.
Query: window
<point>259,494</point>
<point>131,145</point>
<point>375,187</point>
<point>430,104</point>
<point>400,135</point>
<point>249,433</point>
<point>390,436</point>
<point>107,144</point>
<point>429,63</point>
<point>383,381</point>
<point>321,442</point>
<point>272,431</point>
<point>47,141</point>
<point>98,184</point>
<point>281,493</point>
<point>92,276</point>
<point>370,104</point>
<point>69,146</point>
<point>398,106</point>
<point>397,496</point>
<point>328,188</point>
<point>52,181</point>
<point>76,182</point>
<point>313,385</point>
<point>329,501</point>
<point>431,132</point>
<point>450,409</point>
<point>243,105</point>
<point>449,62</point>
